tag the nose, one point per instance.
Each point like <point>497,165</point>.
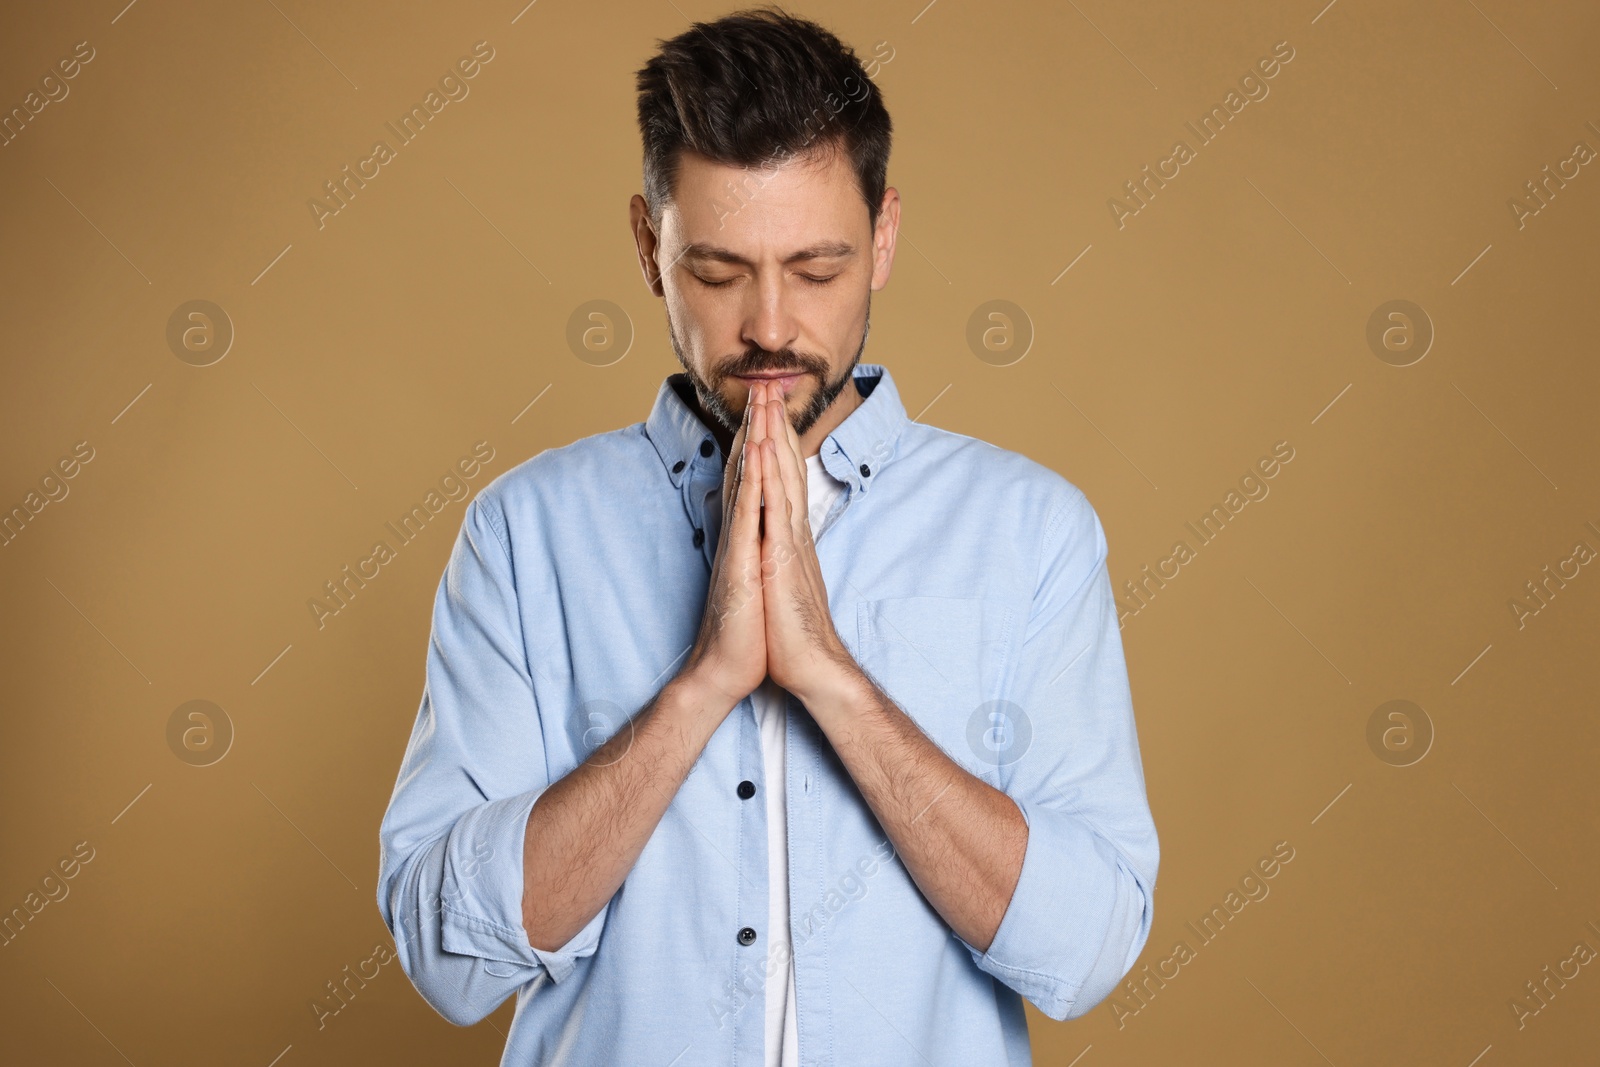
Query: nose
<point>769,322</point>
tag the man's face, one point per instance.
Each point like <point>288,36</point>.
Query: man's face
<point>765,271</point>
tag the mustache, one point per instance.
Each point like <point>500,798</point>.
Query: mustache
<point>761,362</point>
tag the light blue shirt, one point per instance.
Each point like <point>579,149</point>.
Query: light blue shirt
<point>968,580</point>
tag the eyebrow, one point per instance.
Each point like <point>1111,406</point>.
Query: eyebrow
<point>821,250</point>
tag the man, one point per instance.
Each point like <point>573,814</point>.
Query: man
<point>778,728</point>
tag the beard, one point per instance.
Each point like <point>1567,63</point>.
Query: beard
<point>756,361</point>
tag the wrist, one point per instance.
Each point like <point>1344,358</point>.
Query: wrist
<point>841,684</point>
<point>693,688</point>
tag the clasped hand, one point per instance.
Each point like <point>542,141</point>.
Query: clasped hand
<point>767,609</point>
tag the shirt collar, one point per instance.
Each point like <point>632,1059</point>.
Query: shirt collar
<point>855,452</point>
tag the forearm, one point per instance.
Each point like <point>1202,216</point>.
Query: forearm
<point>586,831</point>
<point>961,839</point>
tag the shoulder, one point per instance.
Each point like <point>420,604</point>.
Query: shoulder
<point>562,472</point>
<point>1019,485</point>
<point>1052,529</point>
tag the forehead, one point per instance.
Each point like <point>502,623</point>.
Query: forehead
<point>799,201</point>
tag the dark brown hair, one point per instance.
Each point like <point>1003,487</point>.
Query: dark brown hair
<point>753,89</point>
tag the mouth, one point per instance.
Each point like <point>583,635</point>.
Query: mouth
<point>785,381</point>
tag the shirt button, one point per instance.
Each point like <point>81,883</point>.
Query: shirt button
<point>747,936</point>
<point>866,471</point>
<point>706,448</point>
<point>747,789</point>
<point>678,466</point>
<point>699,538</point>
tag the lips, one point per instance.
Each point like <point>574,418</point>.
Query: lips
<point>784,382</point>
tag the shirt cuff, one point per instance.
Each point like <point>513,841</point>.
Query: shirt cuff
<point>481,895</point>
<point>1061,916</point>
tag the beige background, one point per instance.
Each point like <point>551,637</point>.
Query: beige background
<point>1227,315</point>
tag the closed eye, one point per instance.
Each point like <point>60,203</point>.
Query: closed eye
<point>729,281</point>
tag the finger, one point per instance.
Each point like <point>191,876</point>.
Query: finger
<point>792,442</point>
<point>775,474</point>
<point>750,455</point>
<point>732,462</point>
<point>762,427</point>
<point>741,453</point>
<point>784,473</point>
<point>790,437</point>
<point>747,499</point>
<point>741,433</point>
<point>792,471</point>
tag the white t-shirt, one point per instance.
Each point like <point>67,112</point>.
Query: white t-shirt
<point>771,706</point>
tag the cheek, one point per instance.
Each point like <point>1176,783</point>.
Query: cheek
<point>709,336</point>
<point>696,318</point>
<point>841,321</point>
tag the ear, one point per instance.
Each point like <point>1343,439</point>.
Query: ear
<point>883,237</point>
<point>646,242</point>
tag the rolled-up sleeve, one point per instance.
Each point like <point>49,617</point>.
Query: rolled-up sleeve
<point>450,881</point>
<point>1082,908</point>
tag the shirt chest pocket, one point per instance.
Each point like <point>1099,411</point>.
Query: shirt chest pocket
<point>942,660</point>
